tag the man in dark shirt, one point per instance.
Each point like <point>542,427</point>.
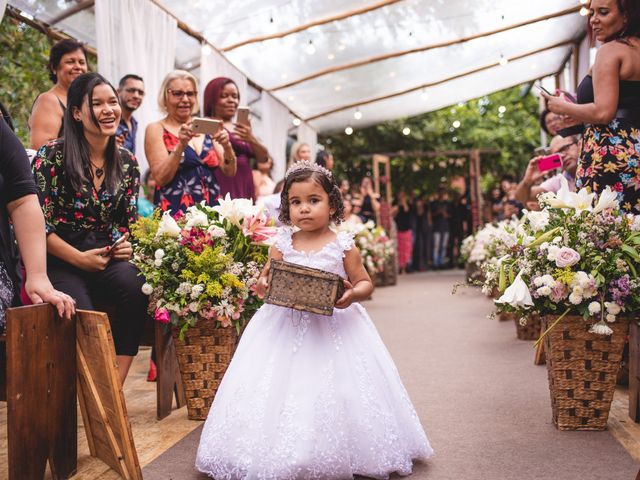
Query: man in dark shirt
<point>441,212</point>
<point>131,94</point>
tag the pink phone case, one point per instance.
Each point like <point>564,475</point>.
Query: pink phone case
<point>550,162</point>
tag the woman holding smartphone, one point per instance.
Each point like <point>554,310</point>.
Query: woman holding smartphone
<point>184,163</point>
<point>221,100</point>
<point>609,104</point>
<point>87,188</point>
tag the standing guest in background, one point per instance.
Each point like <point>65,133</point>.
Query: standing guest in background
<point>495,202</point>
<point>402,213</point>
<point>88,188</point>
<point>19,207</point>
<point>440,211</point>
<point>569,149</point>
<point>324,158</point>
<point>369,203</point>
<point>262,180</point>
<point>609,104</point>
<point>460,221</point>
<point>145,200</point>
<point>183,163</point>
<point>299,151</point>
<point>131,94</point>
<point>422,242</point>
<point>345,188</point>
<point>349,216</point>
<point>67,61</point>
<point>221,101</point>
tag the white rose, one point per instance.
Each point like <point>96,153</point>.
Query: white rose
<point>594,308</point>
<point>538,281</point>
<point>159,254</point>
<point>544,291</point>
<point>612,308</point>
<point>575,299</point>
<point>610,318</point>
<point>168,226</point>
<point>578,290</point>
<point>157,262</point>
<point>552,253</point>
<point>216,232</point>
<point>147,289</point>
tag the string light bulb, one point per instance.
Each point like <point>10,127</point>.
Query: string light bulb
<point>503,60</point>
<point>311,48</point>
<point>348,130</point>
<point>502,109</point>
<point>406,131</point>
<point>456,124</point>
<point>297,122</point>
<point>584,11</point>
<point>357,114</point>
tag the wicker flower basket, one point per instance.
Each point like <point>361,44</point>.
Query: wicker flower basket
<point>530,330</point>
<point>203,358</point>
<point>582,370</point>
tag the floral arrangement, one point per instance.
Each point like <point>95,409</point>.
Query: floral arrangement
<point>578,255</point>
<point>204,263</point>
<point>375,245</point>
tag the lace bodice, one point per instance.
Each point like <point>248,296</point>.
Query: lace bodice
<point>329,258</point>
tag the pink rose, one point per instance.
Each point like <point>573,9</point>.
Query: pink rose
<point>567,257</point>
<point>559,292</point>
<point>162,315</point>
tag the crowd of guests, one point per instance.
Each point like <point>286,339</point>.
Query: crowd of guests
<point>429,228</point>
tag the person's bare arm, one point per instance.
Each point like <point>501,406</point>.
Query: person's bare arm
<point>527,190</point>
<point>262,285</point>
<point>359,286</point>
<point>224,151</point>
<point>245,132</point>
<point>163,165</point>
<point>94,260</point>
<point>606,89</point>
<point>45,120</point>
<point>28,225</point>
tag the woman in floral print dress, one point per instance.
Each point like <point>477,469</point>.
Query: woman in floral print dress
<point>609,104</point>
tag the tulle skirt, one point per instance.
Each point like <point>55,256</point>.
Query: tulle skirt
<point>308,396</point>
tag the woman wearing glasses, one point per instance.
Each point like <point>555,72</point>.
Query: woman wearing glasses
<point>182,162</point>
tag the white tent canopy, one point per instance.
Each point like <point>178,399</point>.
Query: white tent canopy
<point>326,59</point>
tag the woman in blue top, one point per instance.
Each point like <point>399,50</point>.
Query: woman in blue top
<point>182,162</point>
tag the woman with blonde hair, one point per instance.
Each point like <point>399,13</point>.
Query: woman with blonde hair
<point>299,151</point>
<point>182,162</point>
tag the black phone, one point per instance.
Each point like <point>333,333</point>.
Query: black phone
<point>540,87</point>
<point>116,243</point>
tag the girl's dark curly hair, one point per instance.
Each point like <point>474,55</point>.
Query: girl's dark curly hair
<point>327,184</point>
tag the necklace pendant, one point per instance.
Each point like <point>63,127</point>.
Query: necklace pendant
<point>99,172</point>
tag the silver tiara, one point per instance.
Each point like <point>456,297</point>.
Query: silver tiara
<point>307,165</point>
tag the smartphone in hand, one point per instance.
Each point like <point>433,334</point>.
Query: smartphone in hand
<point>116,243</point>
<point>542,89</point>
<point>206,125</point>
<point>550,162</point>
<point>243,115</point>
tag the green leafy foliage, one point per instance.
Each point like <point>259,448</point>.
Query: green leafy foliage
<point>23,70</point>
<point>515,132</point>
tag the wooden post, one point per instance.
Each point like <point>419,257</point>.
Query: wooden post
<point>634,371</point>
<point>3,368</point>
<point>41,393</point>
<point>476,193</point>
<point>169,378</point>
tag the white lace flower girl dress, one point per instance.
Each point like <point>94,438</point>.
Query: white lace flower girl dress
<point>311,397</point>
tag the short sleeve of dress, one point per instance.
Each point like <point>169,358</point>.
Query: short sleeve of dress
<point>345,241</point>
<point>283,240</point>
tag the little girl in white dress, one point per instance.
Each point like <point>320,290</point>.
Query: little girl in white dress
<point>308,396</point>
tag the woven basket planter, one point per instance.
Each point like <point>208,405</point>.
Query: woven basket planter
<point>582,370</point>
<point>203,358</point>
<point>529,331</point>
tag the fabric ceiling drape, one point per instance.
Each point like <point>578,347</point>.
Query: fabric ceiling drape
<point>213,64</point>
<point>136,37</point>
<point>275,122</point>
<point>308,135</point>
<point>3,6</point>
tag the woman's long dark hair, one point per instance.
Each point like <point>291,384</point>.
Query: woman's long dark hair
<point>76,153</point>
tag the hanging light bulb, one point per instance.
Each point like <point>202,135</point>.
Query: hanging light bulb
<point>424,95</point>
<point>348,130</point>
<point>502,109</point>
<point>297,122</point>
<point>406,131</point>
<point>311,48</point>
<point>456,124</point>
<point>584,11</point>
<point>357,114</point>
<point>503,60</point>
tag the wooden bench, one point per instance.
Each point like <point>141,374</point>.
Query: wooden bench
<point>41,393</point>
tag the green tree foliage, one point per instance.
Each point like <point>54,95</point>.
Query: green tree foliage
<point>22,70</point>
<point>515,132</point>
